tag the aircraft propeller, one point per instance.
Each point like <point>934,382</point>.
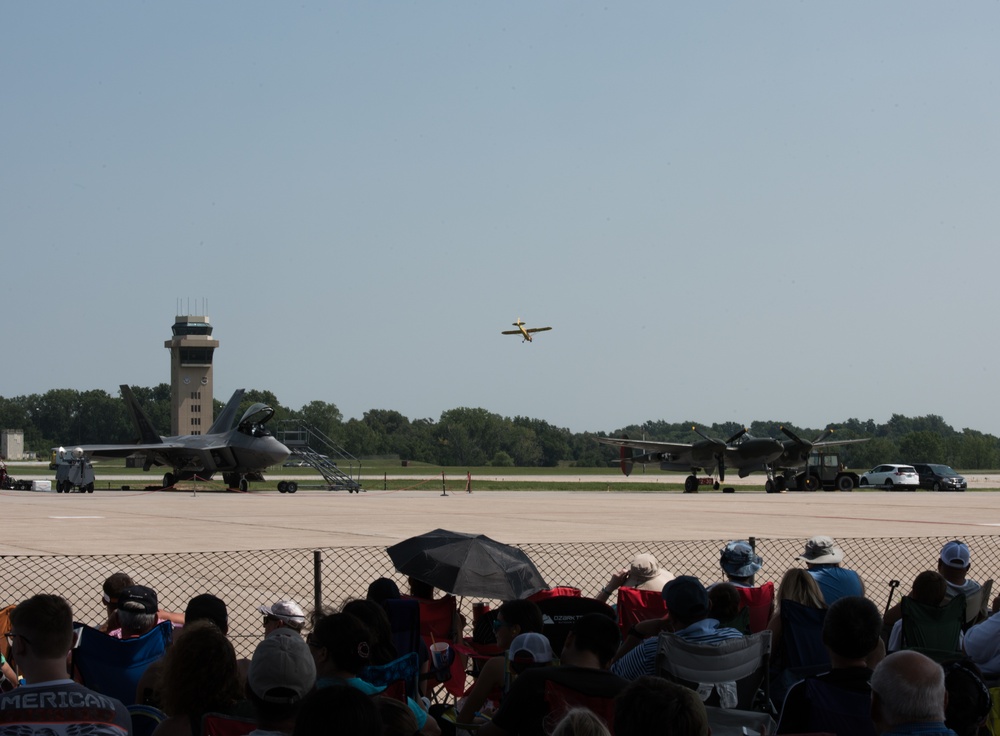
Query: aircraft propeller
<point>805,447</point>
<point>719,449</point>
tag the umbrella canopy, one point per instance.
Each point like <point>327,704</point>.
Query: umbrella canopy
<point>467,564</point>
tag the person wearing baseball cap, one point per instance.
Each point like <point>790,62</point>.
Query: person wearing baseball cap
<point>823,557</point>
<point>954,564</point>
<point>283,615</point>
<point>281,674</point>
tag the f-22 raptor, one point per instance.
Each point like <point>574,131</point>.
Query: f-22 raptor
<point>240,453</point>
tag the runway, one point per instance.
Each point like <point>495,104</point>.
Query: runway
<point>118,522</point>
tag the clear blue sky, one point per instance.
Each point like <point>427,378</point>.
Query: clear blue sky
<point>726,211</point>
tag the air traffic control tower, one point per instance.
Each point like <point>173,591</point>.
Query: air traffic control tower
<point>191,349</point>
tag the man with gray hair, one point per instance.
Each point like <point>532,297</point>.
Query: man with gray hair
<point>909,696</point>
<point>137,611</point>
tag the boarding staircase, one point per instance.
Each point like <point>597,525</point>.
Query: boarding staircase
<point>339,468</point>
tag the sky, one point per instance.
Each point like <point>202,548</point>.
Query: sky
<point>726,211</point>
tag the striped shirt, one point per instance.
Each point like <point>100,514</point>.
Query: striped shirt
<point>642,659</point>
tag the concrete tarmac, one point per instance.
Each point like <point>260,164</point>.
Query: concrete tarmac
<point>130,522</point>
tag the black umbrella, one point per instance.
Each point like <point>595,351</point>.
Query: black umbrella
<point>467,564</point>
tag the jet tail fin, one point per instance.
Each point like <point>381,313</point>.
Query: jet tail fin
<point>224,422</point>
<point>147,432</point>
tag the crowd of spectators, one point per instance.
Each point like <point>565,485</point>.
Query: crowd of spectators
<point>313,672</point>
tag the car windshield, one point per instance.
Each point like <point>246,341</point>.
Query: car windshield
<point>943,470</point>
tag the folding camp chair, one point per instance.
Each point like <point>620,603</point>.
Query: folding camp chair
<point>977,605</point>
<point>800,651</point>
<point>220,724</point>
<point>560,613</point>
<point>934,630</point>
<point>802,639</point>
<point>114,666</point>
<point>399,677</point>
<point>712,668</point>
<point>145,719</point>
<point>560,699</point>
<point>559,590</point>
<point>636,605</point>
<point>760,602</point>
<point>437,624</point>
<point>404,623</point>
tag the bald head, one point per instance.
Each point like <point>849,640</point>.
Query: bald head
<point>907,687</point>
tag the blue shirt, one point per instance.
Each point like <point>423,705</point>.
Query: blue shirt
<point>642,659</point>
<point>836,582</point>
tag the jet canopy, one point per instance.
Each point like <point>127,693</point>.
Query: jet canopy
<point>254,419</point>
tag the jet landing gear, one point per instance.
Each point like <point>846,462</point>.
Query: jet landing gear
<point>691,484</point>
<point>287,486</point>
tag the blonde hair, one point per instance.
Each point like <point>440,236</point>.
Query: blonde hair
<point>799,586</point>
<point>581,722</point>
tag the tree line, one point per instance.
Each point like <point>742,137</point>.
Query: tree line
<point>476,437</point>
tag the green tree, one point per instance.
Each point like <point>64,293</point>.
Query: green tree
<point>324,416</point>
<point>922,447</point>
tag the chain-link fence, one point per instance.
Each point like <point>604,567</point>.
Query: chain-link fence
<point>249,579</point>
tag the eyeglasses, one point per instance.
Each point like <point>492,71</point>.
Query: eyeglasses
<point>11,635</point>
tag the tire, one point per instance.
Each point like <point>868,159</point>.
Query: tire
<point>845,483</point>
<point>244,485</point>
<point>89,488</point>
<point>936,486</point>
<point>292,486</point>
<point>282,487</point>
<point>168,480</point>
<point>888,484</point>
<point>769,486</point>
<point>691,484</point>
<point>811,483</point>
<point>863,482</point>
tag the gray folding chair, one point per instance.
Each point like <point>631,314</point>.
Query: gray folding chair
<point>713,669</point>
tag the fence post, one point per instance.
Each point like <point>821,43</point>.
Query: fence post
<point>318,579</point>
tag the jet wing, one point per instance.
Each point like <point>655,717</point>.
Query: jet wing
<point>174,454</point>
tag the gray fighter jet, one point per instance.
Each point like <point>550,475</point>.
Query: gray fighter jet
<point>240,453</point>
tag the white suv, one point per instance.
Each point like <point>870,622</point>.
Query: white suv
<point>892,477</point>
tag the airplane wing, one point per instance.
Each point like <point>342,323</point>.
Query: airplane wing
<point>511,332</point>
<point>539,329</point>
<point>671,448</point>
<point>832,443</point>
<point>174,454</point>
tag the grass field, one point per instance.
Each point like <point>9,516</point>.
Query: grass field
<point>392,475</point>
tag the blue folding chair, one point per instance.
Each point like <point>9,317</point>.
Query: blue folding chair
<point>114,666</point>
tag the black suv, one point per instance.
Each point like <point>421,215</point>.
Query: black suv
<point>939,477</point>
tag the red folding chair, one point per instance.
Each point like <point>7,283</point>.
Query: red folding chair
<point>636,605</point>
<point>437,623</point>
<point>554,593</point>
<point>560,699</point>
<point>219,724</point>
<point>760,601</point>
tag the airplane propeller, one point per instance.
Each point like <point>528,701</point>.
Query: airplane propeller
<point>805,447</point>
<point>719,449</point>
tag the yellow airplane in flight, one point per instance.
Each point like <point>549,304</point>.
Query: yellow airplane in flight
<point>523,331</point>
